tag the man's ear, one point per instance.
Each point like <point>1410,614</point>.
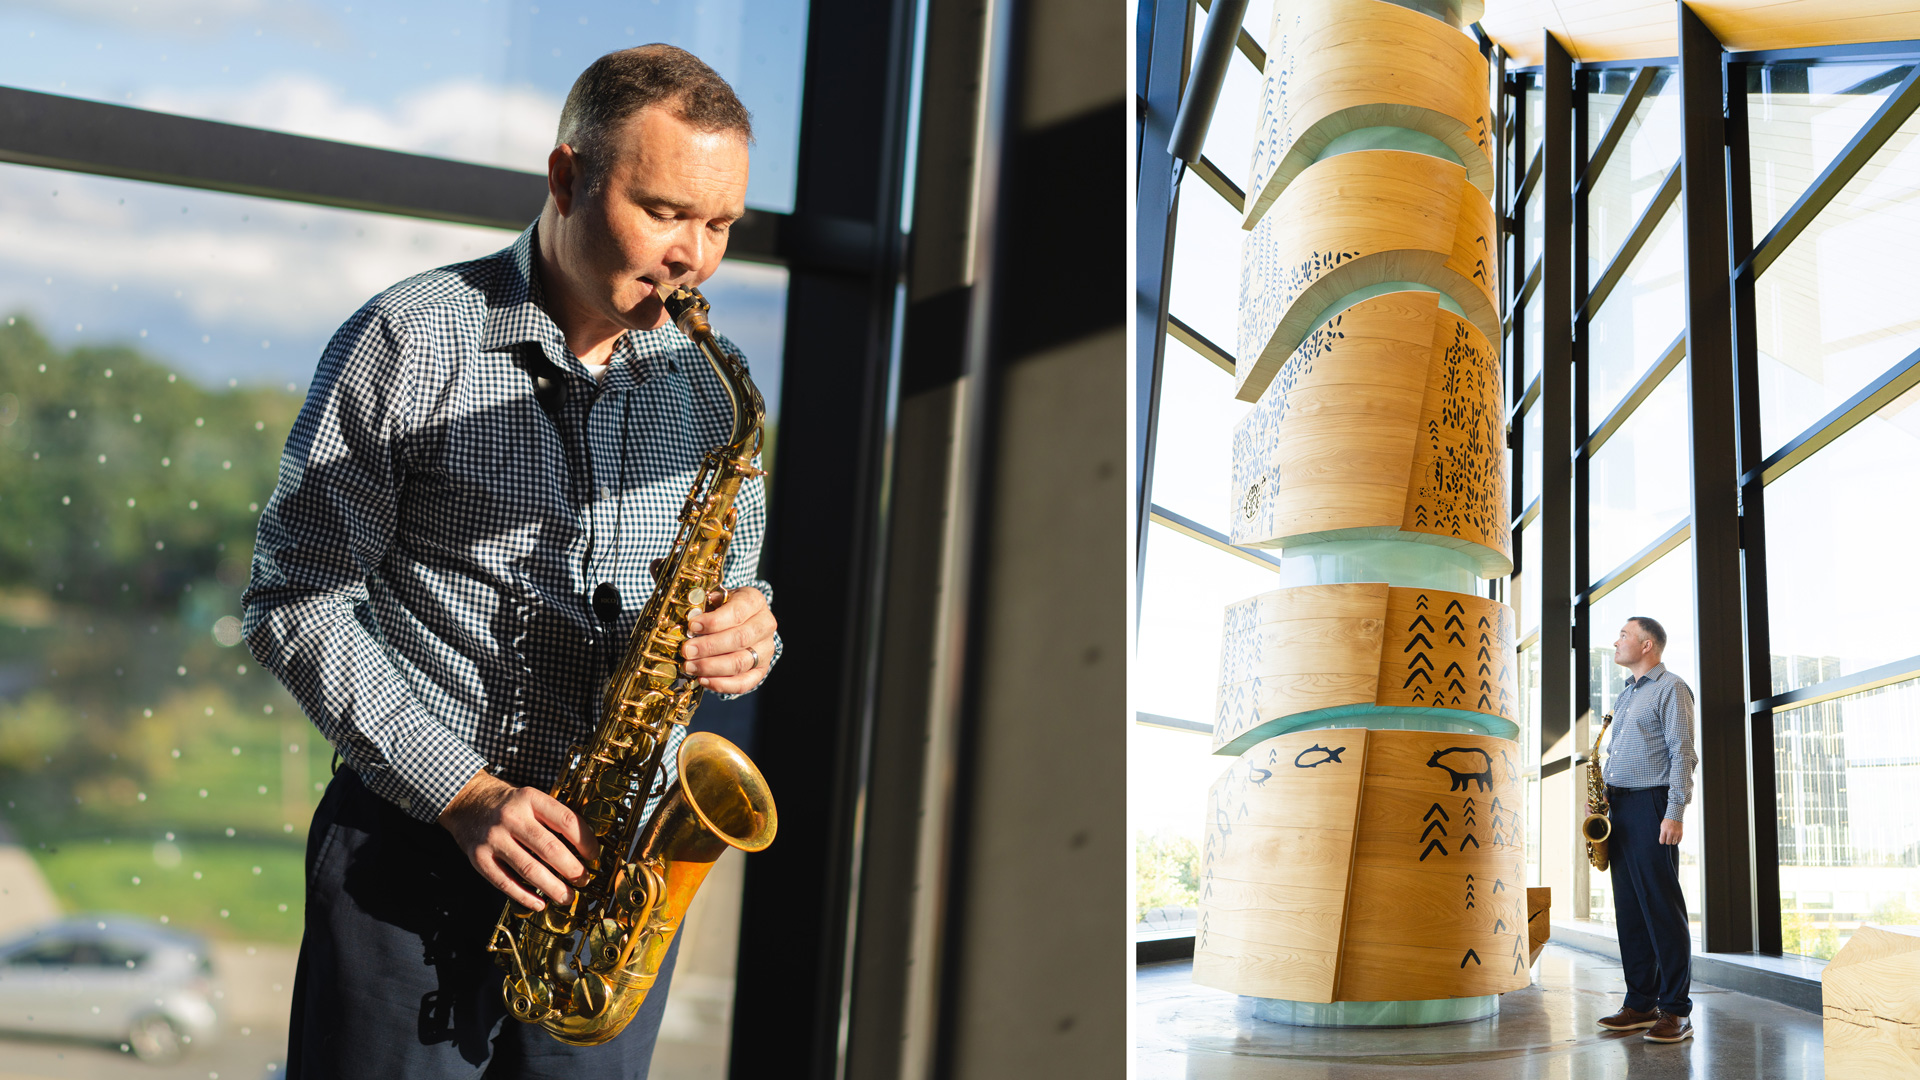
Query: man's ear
<point>563,177</point>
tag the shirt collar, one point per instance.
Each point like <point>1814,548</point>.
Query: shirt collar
<point>517,315</point>
<point>1652,674</point>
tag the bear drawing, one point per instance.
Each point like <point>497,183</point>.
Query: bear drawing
<point>1482,776</point>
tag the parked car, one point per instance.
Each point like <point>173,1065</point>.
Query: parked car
<point>110,979</point>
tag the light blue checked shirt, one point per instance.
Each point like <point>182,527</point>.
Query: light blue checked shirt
<point>424,572</point>
<point>1651,741</point>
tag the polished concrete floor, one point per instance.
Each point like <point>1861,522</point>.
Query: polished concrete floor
<point>1545,1032</point>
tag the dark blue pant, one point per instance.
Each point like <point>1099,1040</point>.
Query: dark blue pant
<point>1656,951</point>
<point>394,977</point>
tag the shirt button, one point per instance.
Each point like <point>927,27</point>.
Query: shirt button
<point>606,492</point>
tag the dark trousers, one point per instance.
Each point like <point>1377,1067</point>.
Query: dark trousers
<point>1656,951</point>
<point>394,977</point>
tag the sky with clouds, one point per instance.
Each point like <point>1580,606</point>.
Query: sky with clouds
<point>235,287</point>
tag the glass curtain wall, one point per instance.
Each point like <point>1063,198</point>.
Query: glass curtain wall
<point>1831,323</point>
<point>155,345</point>
<point>1837,337</point>
<point>1191,574</point>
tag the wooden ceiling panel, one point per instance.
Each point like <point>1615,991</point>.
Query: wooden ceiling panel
<point>1594,30</point>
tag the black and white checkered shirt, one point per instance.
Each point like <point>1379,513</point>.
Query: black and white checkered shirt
<point>424,573</point>
<point>1650,743</point>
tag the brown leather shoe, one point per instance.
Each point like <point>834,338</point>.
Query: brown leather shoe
<point>1629,1020</point>
<point>1670,1029</point>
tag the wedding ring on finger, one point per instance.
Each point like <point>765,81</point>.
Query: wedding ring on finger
<point>755,653</point>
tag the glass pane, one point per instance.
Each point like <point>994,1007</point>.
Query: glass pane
<point>478,82</point>
<point>1533,221</point>
<point>1536,121</point>
<point>1606,89</point>
<point>1526,583</point>
<point>1849,826</point>
<point>1193,445</point>
<point>1637,484</point>
<point>1176,670</point>
<point>1633,172</point>
<point>1840,583</point>
<point>1229,140</point>
<point>1664,592</point>
<point>1533,320</point>
<point>203,278</point>
<point>1534,437</point>
<point>1639,319</point>
<point>1836,309</point>
<point>1529,701</point>
<point>1206,265</point>
<point>154,343</point>
<point>1799,117</point>
<point>1168,775</point>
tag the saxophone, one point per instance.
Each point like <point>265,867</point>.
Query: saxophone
<point>581,971</point>
<point>1596,828</point>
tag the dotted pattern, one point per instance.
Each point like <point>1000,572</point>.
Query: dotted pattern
<point>424,569</point>
<point>1257,439</point>
<point>1268,288</point>
<point>1273,132</point>
<point>1236,706</point>
<point>1459,486</point>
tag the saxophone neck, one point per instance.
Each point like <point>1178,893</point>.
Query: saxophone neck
<point>688,310</point>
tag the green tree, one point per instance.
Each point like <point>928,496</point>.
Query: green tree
<point>1167,873</point>
<point>122,482</point>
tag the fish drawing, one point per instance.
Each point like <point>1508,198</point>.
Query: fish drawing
<point>1300,761</point>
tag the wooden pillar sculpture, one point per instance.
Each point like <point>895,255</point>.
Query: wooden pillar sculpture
<point>1367,843</point>
<point>1870,1001</point>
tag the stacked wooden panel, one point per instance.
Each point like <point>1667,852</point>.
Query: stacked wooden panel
<point>1870,999</point>
<point>1367,644</point>
<point>1357,865</point>
<point>1351,856</point>
<point>1388,420</point>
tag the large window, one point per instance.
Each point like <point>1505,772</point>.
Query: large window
<point>1191,573</point>
<point>1828,161</point>
<point>479,82</point>
<point>155,346</point>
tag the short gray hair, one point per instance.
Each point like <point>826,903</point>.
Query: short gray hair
<point>620,84</point>
<point>1652,628</point>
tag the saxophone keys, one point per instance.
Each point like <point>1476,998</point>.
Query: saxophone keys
<point>529,1000</point>
<point>605,942</point>
<point>555,919</point>
<point>599,816</point>
<point>697,596</point>
<point>591,994</point>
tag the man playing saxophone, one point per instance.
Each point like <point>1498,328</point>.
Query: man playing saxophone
<point>490,459</point>
<point>1649,774</point>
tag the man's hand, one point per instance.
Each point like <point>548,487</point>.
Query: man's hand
<point>1669,831</point>
<point>517,838</point>
<point>718,655</point>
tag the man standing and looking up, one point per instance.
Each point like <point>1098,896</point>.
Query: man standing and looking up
<point>1649,776</point>
<point>490,458</point>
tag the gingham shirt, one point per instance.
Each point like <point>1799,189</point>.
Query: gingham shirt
<point>425,568</point>
<point>1651,741</point>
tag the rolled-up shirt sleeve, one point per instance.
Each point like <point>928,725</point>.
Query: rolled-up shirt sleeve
<point>1677,727</point>
<point>324,533</point>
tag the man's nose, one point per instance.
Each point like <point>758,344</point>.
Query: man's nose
<point>689,247</point>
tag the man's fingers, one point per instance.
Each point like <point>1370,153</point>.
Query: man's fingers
<point>741,605</point>
<point>500,879</point>
<point>734,639</point>
<point>527,878</point>
<point>737,684</point>
<point>554,815</point>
